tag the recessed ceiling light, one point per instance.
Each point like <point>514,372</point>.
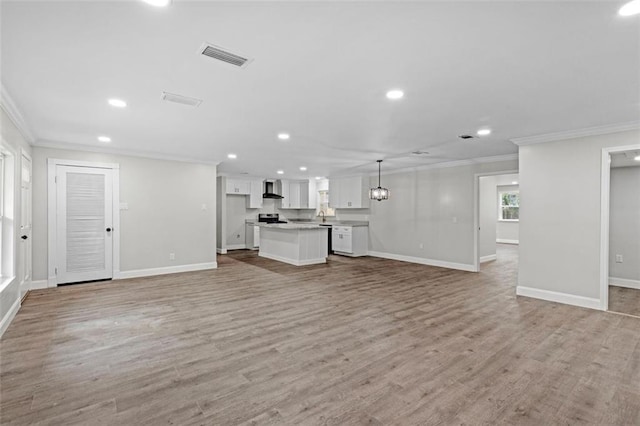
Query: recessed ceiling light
<point>395,94</point>
<point>318,177</point>
<point>637,158</point>
<point>631,8</point>
<point>303,168</point>
<point>104,138</point>
<point>280,172</point>
<point>158,3</point>
<point>483,132</point>
<point>118,103</point>
<point>515,182</point>
<point>232,156</point>
<point>284,136</point>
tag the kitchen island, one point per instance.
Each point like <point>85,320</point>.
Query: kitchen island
<point>297,244</point>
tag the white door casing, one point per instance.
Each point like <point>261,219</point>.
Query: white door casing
<point>25,267</point>
<point>60,270</point>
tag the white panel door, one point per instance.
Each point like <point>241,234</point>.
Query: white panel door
<point>84,216</point>
<point>25,225</point>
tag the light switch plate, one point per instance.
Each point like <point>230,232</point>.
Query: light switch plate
<point>124,206</point>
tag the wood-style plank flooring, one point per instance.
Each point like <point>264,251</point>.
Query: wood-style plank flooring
<point>624,300</point>
<point>355,341</point>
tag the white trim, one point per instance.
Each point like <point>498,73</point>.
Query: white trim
<point>52,163</point>
<point>221,251</point>
<point>577,133</point>
<point>39,285</point>
<point>553,296</point>
<point>504,241</point>
<point>624,282</point>
<point>129,153</point>
<point>476,213</point>
<point>9,106</point>
<point>605,187</point>
<point>6,321</point>
<point>294,262</point>
<point>236,247</point>
<point>488,258</point>
<point>165,270</point>
<point>423,261</point>
<point>456,163</point>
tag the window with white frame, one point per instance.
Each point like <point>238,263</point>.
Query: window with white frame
<point>509,208</point>
<point>1,205</point>
<point>323,204</point>
<point>7,163</point>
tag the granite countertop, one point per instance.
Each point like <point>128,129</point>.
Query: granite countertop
<point>292,225</point>
<point>336,222</point>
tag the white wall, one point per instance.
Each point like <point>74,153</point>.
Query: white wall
<point>488,215</point>
<point>624,223</point>
<point>433,207</point>
<point>165,213</point>
<point>560,247</point>
<point>12,140</point>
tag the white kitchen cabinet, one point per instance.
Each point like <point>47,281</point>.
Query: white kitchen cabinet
<point>252,236</point>
<point>254,200</point>
<point>238,186</point>
<point>295,193</point>
<point>349,193</point>
<point>350,240</point>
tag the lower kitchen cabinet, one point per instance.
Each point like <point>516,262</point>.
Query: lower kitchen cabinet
<point>252,236</point>
<point>350,240</point>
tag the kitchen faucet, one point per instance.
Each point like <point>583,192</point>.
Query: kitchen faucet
<point>324,219</point>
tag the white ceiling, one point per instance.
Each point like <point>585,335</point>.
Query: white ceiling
<point>320,73</point>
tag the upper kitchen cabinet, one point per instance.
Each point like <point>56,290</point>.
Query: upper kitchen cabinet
<point>349,193</point>
<point>297,194</point>
<point>238,186</point>
<point>254,200</point>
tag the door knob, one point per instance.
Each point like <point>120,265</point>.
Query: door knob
<point>108,229</point>
<point>24,237</point>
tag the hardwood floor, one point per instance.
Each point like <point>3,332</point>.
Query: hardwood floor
<point>624,300</point>
<point>355,341</point>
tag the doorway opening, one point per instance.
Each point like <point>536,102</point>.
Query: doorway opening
<point>623,289</point>
<point>497,215</point>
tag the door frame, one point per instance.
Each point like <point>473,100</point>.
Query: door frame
<point>605,188</point>
<point>21,284</point>
<point>476,212</point>
<point>52,164</point>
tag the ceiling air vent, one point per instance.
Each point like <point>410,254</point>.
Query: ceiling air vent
<point>466,137</point>
<point>419,152</point>
<point>224,55</point>
<point>179,99</point>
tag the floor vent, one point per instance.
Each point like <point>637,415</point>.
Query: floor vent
<point>221,54</point>
<point>179,99</point>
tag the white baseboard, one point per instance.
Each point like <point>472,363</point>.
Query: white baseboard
<point>4,323</point>
<point>165,270</point>
<point>221,251</point>
<point>503,241</point>
<point>39,285</point>
<point>623,282</point>
<point>237,247</point>
<point>422,261</point>
<point>553,296</point>
<point>293,261</point>
<point>488,258</point>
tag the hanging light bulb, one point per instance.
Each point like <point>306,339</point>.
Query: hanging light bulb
<point>379,193</point>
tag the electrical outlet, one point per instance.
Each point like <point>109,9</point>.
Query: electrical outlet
<point>618,258</point>
<point>421,246</point>
<point>172,256</point>
<point>204,208</point>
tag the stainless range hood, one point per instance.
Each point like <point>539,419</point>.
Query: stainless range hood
<point>269,190</point>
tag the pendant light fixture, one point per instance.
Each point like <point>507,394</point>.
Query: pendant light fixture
<point>379,193</point>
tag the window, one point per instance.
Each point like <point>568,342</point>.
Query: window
<point>323,203</point>
<point>7,225</point>
<point>1,205</point>
<point>509,208</point>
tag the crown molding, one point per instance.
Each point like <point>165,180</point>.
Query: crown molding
<point>114,151</point>
<point>9,106</point>
<point>578,133</point>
